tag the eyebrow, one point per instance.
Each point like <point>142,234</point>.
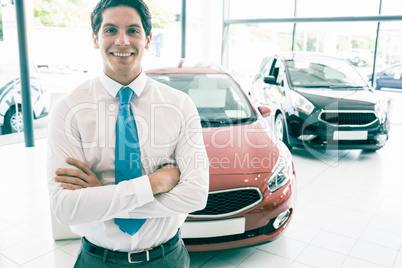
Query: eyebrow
<point>129,26</point>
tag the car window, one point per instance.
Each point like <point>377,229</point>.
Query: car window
<point>266,66</point>
<point>217,96</point>
<point>398,70</point>
<point>390,71</point>
<point>281,74</point>
<point>329,72</point>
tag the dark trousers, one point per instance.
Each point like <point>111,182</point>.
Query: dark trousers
<point>177,258</point>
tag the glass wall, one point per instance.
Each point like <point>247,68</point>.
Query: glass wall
<point>203,30</point>
<point>250,43</point>
<point>165,45</point>
<point>338,8</point>
<point>354,41</point>
<point>344,28</point>
<point>255,9</point>
<point>62,54</point>
<point>391,7</point>
<point>389,56</point>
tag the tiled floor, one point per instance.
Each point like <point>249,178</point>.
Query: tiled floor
<point>349,214</point>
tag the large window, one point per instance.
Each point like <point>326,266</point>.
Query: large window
<point>391,7</point>
<point>250,43</point>
<point>62,55</point>
<point>203,30</point>
<point>255,9</point>
<point>354,41</point>
<point>232,32</point>
<point>338,8</point>
<point>344,28</point>
<point>389,44</point>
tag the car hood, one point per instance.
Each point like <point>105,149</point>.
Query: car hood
<point>240,149</point>
<point>340,99</point>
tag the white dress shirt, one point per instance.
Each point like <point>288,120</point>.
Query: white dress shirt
<point>82,125</point>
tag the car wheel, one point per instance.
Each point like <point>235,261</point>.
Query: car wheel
<point>280,130</point>
<point>13,121</point>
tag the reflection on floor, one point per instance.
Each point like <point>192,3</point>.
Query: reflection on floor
<point>348,213</point>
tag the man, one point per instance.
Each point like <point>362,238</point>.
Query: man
<point>82,143</point>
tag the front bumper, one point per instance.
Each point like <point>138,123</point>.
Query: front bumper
<point>316,134</point>
<point>258,222</point>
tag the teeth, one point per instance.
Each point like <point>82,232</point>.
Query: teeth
<point>122,54</point>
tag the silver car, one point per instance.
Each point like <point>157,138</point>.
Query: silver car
<point>10,99</point>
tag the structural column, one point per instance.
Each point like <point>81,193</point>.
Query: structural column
<point>24,74</point>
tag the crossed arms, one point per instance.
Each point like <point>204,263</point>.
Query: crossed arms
<point>162,180</point>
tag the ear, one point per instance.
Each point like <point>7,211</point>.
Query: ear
<point>95,39</point>
<point>148,40</point>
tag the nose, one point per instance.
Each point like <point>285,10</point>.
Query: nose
<point>122,39</point>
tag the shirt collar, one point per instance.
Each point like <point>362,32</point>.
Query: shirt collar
<point>113,87</point>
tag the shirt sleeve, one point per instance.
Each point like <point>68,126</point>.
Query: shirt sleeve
<point>89,204</point>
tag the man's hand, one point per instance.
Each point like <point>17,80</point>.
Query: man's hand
<point>73,179</point>
<point>164,179</point>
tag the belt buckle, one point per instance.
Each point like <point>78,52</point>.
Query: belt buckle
<point>138,251</point>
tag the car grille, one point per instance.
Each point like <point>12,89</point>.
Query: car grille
<point>229,202</point>
<point>348,118</point>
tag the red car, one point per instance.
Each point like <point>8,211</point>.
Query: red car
<point>252,180</point>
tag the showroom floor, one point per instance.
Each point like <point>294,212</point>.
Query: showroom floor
<point>348,213</point>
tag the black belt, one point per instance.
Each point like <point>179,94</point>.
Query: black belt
<point>136,256</point>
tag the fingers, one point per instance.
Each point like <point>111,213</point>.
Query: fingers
<point>71,182</point>
<point>79,164</point>
<point>72,178</point>
<point>72,173</point>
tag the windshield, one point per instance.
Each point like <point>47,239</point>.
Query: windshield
<point>328,72</point>
<point>218,98</point>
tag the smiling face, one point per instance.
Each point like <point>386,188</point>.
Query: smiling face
<point>122,42</point>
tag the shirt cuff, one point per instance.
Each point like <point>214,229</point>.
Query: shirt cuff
<point>143,189</point>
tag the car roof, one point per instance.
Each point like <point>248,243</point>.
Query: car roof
<point>185,70</point>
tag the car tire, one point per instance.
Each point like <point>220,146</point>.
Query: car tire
<point>281,130</point>
<point>370,150</point>
<point>12,123</point>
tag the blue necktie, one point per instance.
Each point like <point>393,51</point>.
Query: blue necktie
<point>127,155</point>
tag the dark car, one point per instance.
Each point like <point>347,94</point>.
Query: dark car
<point>320,102</point>
<point>252,190</point>
<point>390,77</point>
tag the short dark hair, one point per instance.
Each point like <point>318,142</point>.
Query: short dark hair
<point>139,5</point>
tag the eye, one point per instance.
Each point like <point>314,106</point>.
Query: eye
<point>110,30</point>
<point>132,31</point>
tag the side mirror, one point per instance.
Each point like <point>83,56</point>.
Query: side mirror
<point>265,111</point>
<point>270,80</point>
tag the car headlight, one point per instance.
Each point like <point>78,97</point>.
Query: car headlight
<point>381,109</point>
<point>282,171</point>
<point>301,103</point>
